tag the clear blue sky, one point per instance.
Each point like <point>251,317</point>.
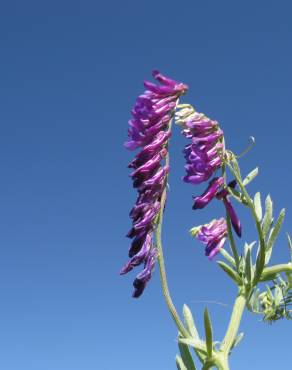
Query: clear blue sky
<point>70,72</point>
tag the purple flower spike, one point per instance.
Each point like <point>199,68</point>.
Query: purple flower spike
<point>149,130</point>
<point>213,235</point>
<point>204,199</point>
<point>204,155</point>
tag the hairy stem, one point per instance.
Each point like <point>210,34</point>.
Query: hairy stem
<point>161,263</point>
<point>163,278</point>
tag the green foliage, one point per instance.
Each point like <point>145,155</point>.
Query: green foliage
<point>258,206</point>
<point>268,217</point>
<point>190,323</point>
<point>251,176</point>
<point>273,235</point>
<point>237,340</point>
<point>186,356</point>
<point>180,364</point>
<point>208,333</point>
<point>230,272</point>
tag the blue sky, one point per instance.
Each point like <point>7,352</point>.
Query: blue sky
<point>70,72</point>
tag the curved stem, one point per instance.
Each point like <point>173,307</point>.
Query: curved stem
<point>163,278</point>
<point>161,263</point>
<point>270,272</point>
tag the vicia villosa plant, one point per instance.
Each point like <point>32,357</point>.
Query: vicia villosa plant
<point>207,160</point>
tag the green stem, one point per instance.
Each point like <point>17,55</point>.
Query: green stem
<point>234,323</point>
<point>274,270</point>
<point>229,227</point>
<point>258,226</point>
<point>222,363</point>
<point>161,263</point>
<point>232,241</point>
<point>163,278</point>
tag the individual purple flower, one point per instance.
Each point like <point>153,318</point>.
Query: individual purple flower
<point>149,130</point>
<point>235,221</point>
<point>145,275</point>
<point>213,235</point>
<point>210,193</point>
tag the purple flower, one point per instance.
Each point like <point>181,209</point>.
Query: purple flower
<point>204,199</point>
<point>233,216</point>
<point>224,195</point>
<point>149,130</point>
<point>153,110</point>
<point>145,275</point>
<point>205,152</point>
<point>213,235</point>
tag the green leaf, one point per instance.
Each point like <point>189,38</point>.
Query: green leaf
<point>274,234</point>
<point>227,256</point>
<point>253,302</point>
<point>191,327</point>
<point>190,323</point>
<point>199,345</point>
<point>278,295</point>
<point>179,363</point>
<point>229,271</point>
<point>290,245</point>
<point>268,217</point>
<point>250,176</point>
<point>237,340</point>
<point>248,247</point>
<point>260,263</point>
<point>208,333</point>
<point>258,205</point>
<point>186,356</point>
<point>248,266</point>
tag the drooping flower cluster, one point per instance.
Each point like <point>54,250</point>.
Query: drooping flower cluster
<point>149,130</point>
<point>205,152</point>
<point>204,155</point>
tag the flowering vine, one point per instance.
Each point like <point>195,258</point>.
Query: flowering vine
<point>207,160</point>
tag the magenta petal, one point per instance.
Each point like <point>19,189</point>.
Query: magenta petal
<point>235,221</point>
<point>204,199</point>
